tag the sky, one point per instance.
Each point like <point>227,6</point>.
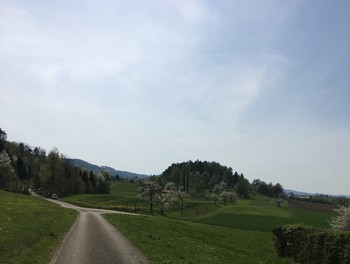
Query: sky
<point>259,86</point>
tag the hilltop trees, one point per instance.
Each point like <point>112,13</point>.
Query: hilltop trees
<point>267,189</point>
<point>197,176</point>
<point>203,180</point>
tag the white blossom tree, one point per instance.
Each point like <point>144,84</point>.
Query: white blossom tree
<point>226,196</point>
<point>216,193</point>
<point>164,199</point>
<point>342,220</point>
<point>151,189</point>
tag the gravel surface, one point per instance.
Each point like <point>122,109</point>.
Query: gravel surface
<point>92,239</point>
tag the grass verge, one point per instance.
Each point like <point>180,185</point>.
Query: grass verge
<point>31,228</point>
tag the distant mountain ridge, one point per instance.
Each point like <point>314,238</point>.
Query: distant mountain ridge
<point>298,193</point>
<point>113,172</point>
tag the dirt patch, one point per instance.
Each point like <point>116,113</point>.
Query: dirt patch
<point>320,207</point>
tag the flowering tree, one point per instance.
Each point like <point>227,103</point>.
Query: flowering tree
<point>216,193</point>
<point>342,221</point>
<point>151,189</point>
<point>230,197</point>
<point>165,198</point>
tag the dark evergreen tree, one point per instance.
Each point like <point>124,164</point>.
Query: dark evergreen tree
<point>92,183</point>
<point>3,137</point>
<point>21,169</point>
<point>242,188</point>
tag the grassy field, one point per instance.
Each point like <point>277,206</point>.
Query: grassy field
<point>30,228</point>
<point>261,214</point>
<point>123,197</point>
<point>237,233</point>
<point>164,240</point>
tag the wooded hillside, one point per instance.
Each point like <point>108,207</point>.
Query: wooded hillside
<point>22,166</point>
<point>198,176</point>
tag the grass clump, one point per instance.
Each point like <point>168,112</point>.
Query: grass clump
<point>31,228</point>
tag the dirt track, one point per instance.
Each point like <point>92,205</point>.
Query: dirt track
<point>321,207</point>
<point>94,240</point>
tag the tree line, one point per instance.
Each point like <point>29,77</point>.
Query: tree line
<point>201,179</point>
<point>22,167</point>
<point>199,176</point>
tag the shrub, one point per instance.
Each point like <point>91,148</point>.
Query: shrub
<point>308,245</point>
<point>342,221</point>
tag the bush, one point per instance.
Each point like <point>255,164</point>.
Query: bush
<point>308,245</point>
<point>342,221</point>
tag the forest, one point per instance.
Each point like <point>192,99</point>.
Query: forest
<point>23,167</point>
<point>199,176</point>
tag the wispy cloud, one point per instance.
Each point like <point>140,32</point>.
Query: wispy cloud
<point>242,83</point>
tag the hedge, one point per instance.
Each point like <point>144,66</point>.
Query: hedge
<point>310,245</point>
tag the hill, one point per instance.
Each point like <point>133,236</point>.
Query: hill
<point>113,172</point>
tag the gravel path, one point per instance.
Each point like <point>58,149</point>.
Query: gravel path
<point>92,239</point>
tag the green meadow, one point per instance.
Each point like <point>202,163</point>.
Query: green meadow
<point>261,214</point>
<point>164,240</point>
<point>31,228</point>
<point>205,233</point>
<point>123,197</point>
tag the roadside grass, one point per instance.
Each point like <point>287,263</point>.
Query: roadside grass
<point>31,228</point>
<point>164,240</point>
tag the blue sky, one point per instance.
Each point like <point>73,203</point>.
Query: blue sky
<point>260,86</point>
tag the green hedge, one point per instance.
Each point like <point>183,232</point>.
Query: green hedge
<point>309,245</point>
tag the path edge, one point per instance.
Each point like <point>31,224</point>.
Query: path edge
<point>58,249</point>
